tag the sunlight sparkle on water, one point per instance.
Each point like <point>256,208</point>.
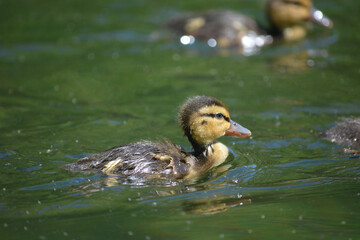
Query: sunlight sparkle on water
<point>212,42</point>
<point>187,40</point>
<point>318,15</point>
<point>321,18</point>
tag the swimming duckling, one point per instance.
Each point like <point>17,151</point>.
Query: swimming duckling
<point>226,28</point>
<point>345,132</point>
<point>202,118</point>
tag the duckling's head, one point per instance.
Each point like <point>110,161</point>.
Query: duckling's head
<point>205,118</point>
<point>288,13</point>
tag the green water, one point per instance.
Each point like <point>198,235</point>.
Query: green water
<point>80,77</point>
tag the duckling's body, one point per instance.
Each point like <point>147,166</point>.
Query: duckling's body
<point>345,132</point>
<point>287,18</point>
<point>226,27</point>
<point>138,158</point>
<point>202,119</point>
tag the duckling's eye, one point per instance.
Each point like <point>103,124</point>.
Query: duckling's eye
<point>219,115</point>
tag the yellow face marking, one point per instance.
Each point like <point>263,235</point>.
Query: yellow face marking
<point>214,109</point>
<point>206,128</point>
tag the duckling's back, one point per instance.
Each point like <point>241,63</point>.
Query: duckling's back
<point>346,132</point>
<point>223,25</point>
<point>155,159</point>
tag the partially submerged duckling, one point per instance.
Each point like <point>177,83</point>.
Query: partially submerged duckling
<point>345,132</point>
<point>287,18</point>
<point>202,118</point>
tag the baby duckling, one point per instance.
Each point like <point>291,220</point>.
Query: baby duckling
<point>345,132</point>
<point>288,21</point>
<point>202,118</point>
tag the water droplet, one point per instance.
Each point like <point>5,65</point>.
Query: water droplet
<point>318,15</point>
<point>311,63</point>
<point>213,71</point>
<point>115,55</point>
<point>130,233</point>
<point>187,40</point>
<point>91,56</point>
<point>22,58</point>
<point>66,234</point>
<point>176,57</point>
<point>212,42</point>
<point>263,216</point>
<point>259,41</point>
<point>178,69</point>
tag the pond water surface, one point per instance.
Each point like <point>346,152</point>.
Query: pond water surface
<point>80,77</point>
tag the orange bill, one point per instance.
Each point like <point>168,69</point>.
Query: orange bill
<point>237,130</point>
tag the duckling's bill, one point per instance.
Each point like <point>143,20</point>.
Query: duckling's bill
<point>237,130</point>
<point>317,16</point>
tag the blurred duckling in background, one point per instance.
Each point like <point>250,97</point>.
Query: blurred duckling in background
<point>345,132</point>
<point>202,118</point>
<point>288,20</point>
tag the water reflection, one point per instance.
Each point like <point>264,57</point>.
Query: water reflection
<point>214,205</point>
<point>200,199</point>
<point>299,61</point>
<point>251,42</point>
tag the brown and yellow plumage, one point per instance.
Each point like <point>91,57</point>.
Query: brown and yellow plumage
<point>202,118</point>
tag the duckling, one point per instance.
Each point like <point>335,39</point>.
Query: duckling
<point>202,118</point>
<point>226,28</point>
<point>345,132</point>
